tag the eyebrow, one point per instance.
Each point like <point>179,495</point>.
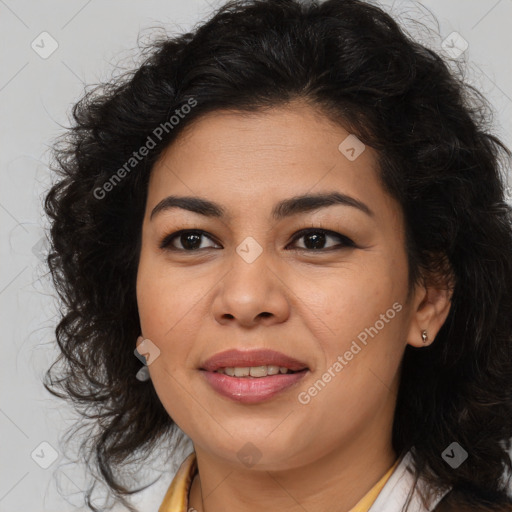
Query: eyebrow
<point>285,208</point>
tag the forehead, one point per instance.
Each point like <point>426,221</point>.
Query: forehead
<point>296,132</point>
<point>245,159</point>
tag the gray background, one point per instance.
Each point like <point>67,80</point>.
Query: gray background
<point>93,38</point>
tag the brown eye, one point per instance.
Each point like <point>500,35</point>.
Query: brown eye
<point>190,240</point>
<point>315,239</point>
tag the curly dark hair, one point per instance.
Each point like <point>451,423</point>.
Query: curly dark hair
<point>354,64</point>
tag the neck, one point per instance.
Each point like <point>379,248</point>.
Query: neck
<point>335,481</point>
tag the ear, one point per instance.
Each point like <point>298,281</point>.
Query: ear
<point>430,307</point>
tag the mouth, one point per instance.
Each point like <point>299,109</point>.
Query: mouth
<point>256,371</point>
<point>252,376</point>
<point>253,359</point>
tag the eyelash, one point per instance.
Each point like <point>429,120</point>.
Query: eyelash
<point>345,241</point>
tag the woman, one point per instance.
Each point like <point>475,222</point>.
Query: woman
<point>295,219</point>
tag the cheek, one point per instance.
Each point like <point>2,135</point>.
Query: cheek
<point>161,306</point>
<point>171,305</point>
<point>358,314</point>
<point>161,302</point>
<point>164,294</point>
<point>349,301</point>
<point>151,301</point>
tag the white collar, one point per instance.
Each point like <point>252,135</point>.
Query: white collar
<point>393,495</point>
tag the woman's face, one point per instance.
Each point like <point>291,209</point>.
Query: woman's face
<point>333,300</point>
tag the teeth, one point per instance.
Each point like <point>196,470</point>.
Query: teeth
<point>272,370</point>
<point>242,372</point>
<point>253,371</point>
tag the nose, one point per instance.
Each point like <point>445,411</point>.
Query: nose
<point>251,294</point>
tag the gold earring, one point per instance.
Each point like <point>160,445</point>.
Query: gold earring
<point>424,336</point>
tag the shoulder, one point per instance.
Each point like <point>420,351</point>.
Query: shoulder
<point>459,501</point>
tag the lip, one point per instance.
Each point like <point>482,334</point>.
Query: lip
<point>244,358</point>
<point>250,390</point>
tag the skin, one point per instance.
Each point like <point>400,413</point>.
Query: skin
<point>311,305</point>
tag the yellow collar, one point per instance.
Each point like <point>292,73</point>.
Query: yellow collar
<point>176,497</point>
